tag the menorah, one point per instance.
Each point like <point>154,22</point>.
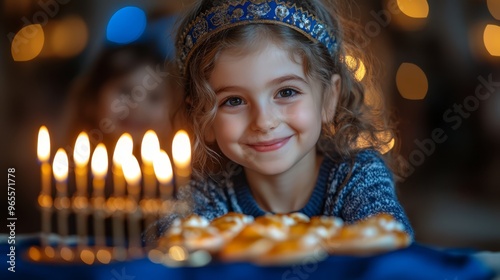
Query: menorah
<point>139,194</point>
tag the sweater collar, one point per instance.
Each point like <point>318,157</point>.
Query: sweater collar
<point>314,206</point>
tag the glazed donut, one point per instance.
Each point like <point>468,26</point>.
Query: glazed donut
<point>272,226</point>
<point>377,234</point>
<point>292,218</point>
<point>293,250</point>
<point>249,244</point>
<point>207,238</point>
<point>231,224</point>
<point>285,238</point>
<point>325,226</point>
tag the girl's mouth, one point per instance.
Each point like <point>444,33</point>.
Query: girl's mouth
<point>268,146</point>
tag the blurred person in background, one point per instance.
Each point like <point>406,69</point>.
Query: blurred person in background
<point>127,89</point>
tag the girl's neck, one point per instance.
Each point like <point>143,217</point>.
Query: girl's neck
<point>289,191</point>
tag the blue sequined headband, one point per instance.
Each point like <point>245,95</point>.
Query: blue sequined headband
<point>241,12</point>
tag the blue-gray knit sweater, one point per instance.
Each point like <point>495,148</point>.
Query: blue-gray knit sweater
<point>367,191</point>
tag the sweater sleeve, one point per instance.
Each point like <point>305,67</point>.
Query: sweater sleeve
<point>369,191</point>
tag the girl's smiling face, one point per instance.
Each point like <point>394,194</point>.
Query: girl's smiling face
<point>269,114</point>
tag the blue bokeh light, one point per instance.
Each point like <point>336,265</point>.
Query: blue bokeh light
<point>126,25</point>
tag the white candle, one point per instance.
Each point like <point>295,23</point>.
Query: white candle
<point>132,172</point>
<point>62,204</point>
<point>99,165</point>
<point>81,156</point>
<point>164,174</point>
<point>181,152</point>
<point>123,149</point>
<point>150,147</point>
<point>45,197</point>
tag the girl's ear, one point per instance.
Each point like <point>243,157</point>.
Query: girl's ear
<point>332,97</point>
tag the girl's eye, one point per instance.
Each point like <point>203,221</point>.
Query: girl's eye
<point>286,93</point>
<point>233,101</point>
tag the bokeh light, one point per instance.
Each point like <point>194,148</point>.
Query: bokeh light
<point>491,39</point>
<point>356,65</point>
<point>414,8</point>
<point>412,82</point>
<point>126,25</point>
<point>68,37</point>
<point>396,16</point>
<point>494,7</point>
<point>28,43</point>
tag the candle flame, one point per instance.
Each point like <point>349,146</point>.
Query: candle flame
<point>43,149</point>
<point>99,162</point>
<point>181,150</point>
<point>163,168</point>
<point>131,170</point>
<point>124,147</point>
<point>150,146</point>
<point>60,165</point>
<point>81,154</point>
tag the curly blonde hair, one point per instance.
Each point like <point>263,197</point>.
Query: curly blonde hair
<point>360,121</point>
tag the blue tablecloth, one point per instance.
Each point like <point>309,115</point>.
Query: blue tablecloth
<point>415,262</point>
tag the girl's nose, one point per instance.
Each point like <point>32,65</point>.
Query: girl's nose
<point>265,118</point>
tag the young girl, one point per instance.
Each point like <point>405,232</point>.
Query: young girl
<point>280,124</point>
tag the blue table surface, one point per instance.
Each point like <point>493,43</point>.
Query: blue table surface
<point>415,262</point>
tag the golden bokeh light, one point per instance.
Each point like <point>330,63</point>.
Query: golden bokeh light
<point>491,39</point>
<point>66,254</point>
<point>356,65</point>
<point>103,256</point>
<point>34,254</point>
<point>414,8</point>
<point>385,138</point>
<point>156,256</point>
<point>68,37</point>
<point>397,18</point>
<point>411,82</point>
<point>28,43</point>
<point>49,252</point>
<point>87,256</point>
<point>178,253</point>
<point>494,7</point>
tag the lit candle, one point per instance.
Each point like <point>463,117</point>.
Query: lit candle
<point>132,172</point>
<point>163,172</point>
<point>43,152</point>
<point>81,156</point>
<point>61,203</point>
<point>99,165</point>
<point>124,148</point>
<point>150,147</point>
<point>45,197</point>
<point>181,151</point>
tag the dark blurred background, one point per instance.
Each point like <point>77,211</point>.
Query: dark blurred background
<point>440,70</point>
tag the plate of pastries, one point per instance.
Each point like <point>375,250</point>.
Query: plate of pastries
<point>283,239</point>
